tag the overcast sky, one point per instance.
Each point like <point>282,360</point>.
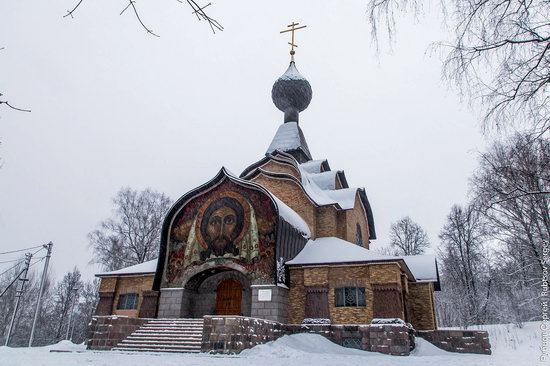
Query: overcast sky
<point>113,107</point>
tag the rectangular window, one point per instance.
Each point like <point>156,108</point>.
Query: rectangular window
<point>127,302</point>
<point>350,296</point>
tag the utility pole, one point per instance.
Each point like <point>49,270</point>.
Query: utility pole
<point>42,282</point>
<point>19,293</point>
<point>75,290</point>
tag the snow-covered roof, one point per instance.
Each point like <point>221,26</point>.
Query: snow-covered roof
<point>325,180</point>
<point>331,250</point>
<point>335,250</point>
<point>290,216</point>
<point>313,166</point>
<point>423,267</point>
<point>286,138</point>
<point>345,198</point>
<point>142,268</point>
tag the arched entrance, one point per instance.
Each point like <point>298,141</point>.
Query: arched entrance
<point>229,297</point>
<point>217,291</point>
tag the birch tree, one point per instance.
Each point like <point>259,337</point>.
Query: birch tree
<point>132,235</point>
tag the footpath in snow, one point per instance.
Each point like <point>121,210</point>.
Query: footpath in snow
<point>511,346</point>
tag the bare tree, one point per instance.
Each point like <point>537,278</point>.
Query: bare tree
<point>64,296</point>
<point>408,238</point>
<point>512,185</point>
<point>500,53</point>
<point>465,263</point>
<point>198,11</point>
<point>132,235</point>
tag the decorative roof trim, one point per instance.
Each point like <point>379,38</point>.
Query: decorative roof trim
<point>218,179</point>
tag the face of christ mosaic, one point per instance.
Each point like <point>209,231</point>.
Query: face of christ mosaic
<point>230,224</point>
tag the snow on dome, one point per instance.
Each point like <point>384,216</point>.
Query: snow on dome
<point>292,73</point>
<point>287,138</point>
<point>423,267</point>
<point>335,250</point>
<point>142,268</point>
<point>292,217</point>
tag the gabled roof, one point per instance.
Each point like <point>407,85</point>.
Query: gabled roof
<point>137,269</point>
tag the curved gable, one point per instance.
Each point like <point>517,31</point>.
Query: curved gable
<point>225,222</point>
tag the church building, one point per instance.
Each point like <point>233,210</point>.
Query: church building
<point>286,240</point>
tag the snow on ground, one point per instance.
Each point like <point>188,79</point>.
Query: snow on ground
<point>511,346</point>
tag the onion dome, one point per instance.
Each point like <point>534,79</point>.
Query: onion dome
<point>291,93</point>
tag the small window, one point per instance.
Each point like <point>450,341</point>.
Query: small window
<point>128,301</point>
<point>350,296</point>
<point>358,235</point>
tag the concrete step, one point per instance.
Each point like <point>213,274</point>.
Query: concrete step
<point>156,341</point>
<point>165,338</point>
<point>126,349</point>
<point>182,347</point>
<point>165,335</point>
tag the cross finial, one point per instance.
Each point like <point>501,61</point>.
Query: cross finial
<point>292,28</point>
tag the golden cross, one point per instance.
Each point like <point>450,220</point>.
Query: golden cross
<point>292,28</point>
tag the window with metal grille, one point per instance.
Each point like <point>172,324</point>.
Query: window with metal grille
<point>351,343</point>
<point>127,301</point>
<point>350,296</point>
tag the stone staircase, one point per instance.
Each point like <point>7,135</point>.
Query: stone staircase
<point>165,335</point>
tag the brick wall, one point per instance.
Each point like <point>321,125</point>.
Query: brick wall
<point>387,279</point>
<point>357,216</point>
<point>421,305</point>
<point>385,273</point>
<point>296,296</point>
<point>279,167</point>
<point>132,284</point>
<point>460,341</point>
<point>232,334</point>
<point>350,276</point>
<point>148,308</point>
<point>326,222</point>
<point>291,193</point>
<point>105,332</point>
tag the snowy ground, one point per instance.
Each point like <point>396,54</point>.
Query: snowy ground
<point>511,346</point>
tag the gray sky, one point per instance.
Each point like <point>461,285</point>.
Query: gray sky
<point>113,106</point>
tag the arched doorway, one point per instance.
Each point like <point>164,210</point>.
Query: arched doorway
<point>229,297</point>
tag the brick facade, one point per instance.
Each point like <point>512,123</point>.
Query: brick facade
<point>111,288</point>
<point>422,308</point>
<point>235,334</point>
<point>460,341</point>
<point>290,192</point>
<point>280,167</point>
<point>105,332</point>
<point>387,294</point>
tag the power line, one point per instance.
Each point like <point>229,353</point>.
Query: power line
<point>9,269</point>
<point>13,260</point>
<point>20,250</point>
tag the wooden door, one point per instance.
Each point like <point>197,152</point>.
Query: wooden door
<point>317,302</point>
<point>388,301</point>
<point>228,297</point>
